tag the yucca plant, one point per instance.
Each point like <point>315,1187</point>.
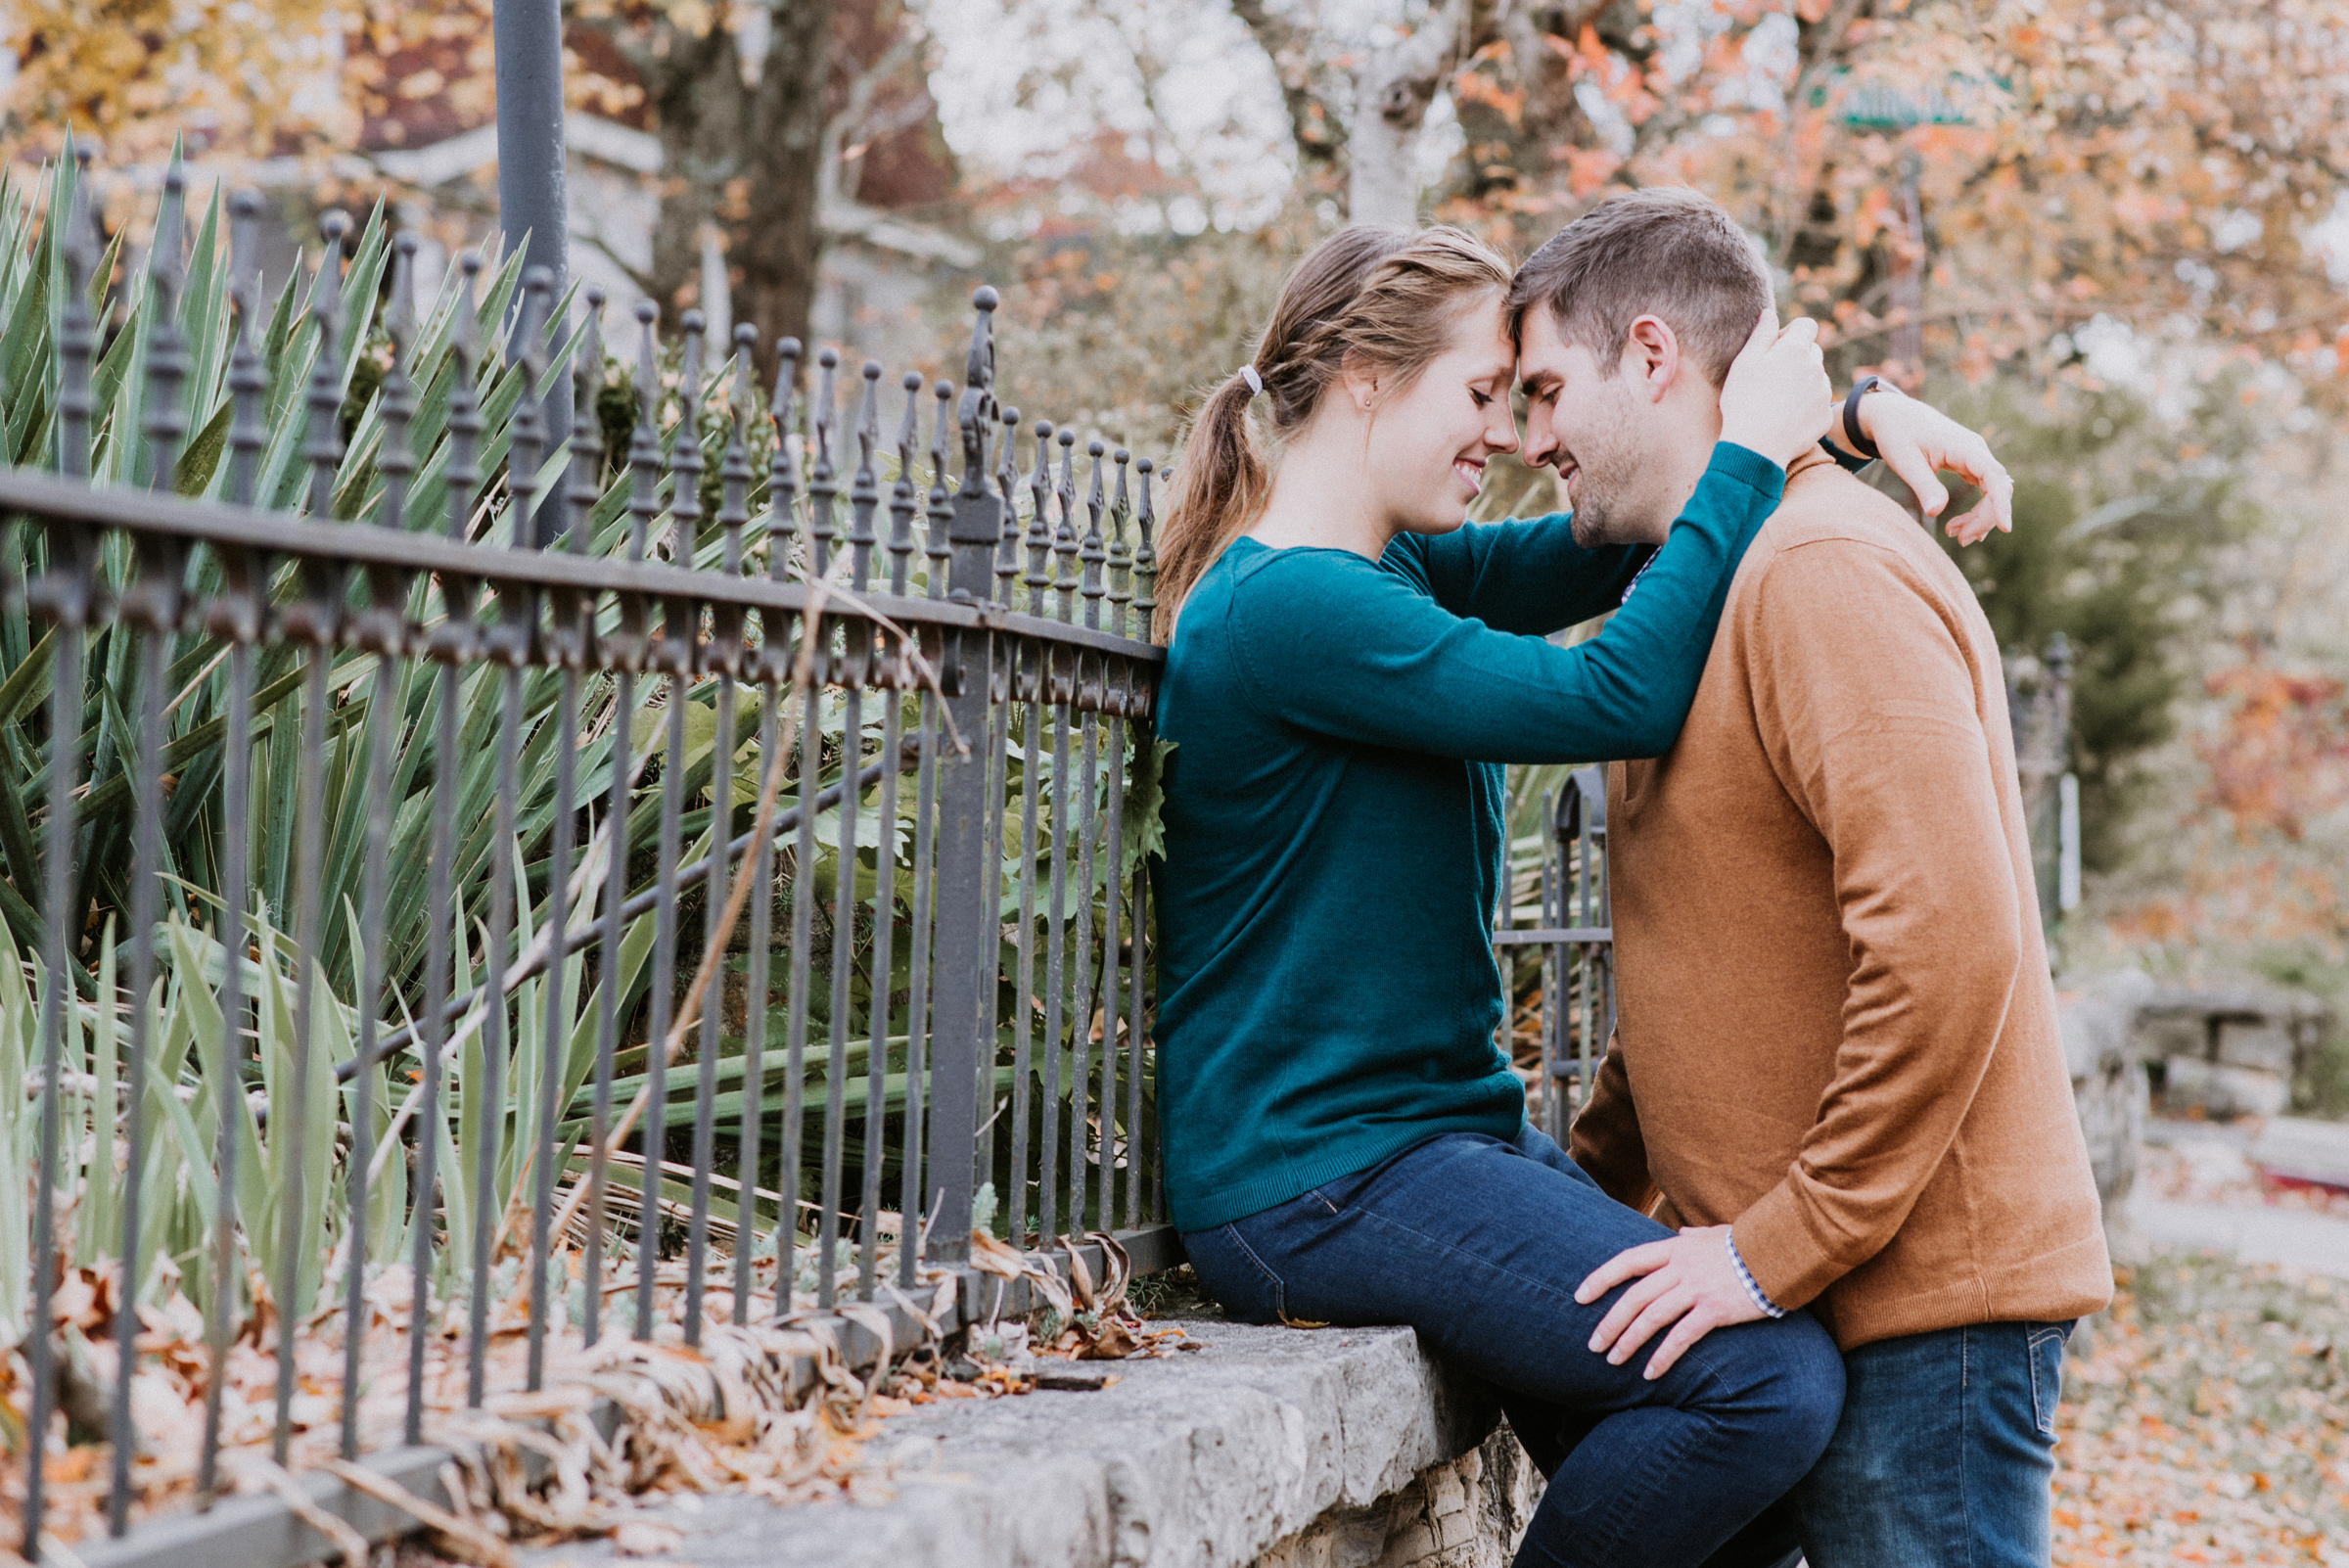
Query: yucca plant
<point>292,332</point>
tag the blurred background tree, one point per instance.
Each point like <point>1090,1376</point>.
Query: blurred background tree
<point>137,74</point>
<point>2111,231</point>
<point>2117,541</point>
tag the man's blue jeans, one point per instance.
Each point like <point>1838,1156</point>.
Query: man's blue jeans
<point>1479,1243</point>
<point>1942,1460</point>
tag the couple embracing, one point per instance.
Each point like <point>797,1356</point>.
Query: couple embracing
<point>1802,1280</point>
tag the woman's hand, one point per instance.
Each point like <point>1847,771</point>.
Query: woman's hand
<point>1776,399</point>
<point>1915,440</point>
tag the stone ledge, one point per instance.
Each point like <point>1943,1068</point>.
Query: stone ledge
<point>1203,1460</point>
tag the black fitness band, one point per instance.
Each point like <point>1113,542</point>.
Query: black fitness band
<point>1851,417</point>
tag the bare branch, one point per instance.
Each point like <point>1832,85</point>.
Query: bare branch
<point>851,117</point>
<point>641,279</point>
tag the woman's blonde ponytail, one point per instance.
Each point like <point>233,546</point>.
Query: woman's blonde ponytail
<point>1220,485</point>
<point>1385,297</point>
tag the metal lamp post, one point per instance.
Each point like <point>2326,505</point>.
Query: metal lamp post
<point>527,38</point>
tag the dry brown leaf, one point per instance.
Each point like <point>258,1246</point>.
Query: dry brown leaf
<point>646,1538</point>
<point>1111,1342</point>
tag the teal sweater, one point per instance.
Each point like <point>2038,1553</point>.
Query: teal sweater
<point>1327,994</point>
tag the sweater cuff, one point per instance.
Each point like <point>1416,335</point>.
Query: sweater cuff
<point>1789,1264</point>
<point>1748,467</point>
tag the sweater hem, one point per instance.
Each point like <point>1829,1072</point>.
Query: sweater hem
<point>2067,1282</point>
<point>1216,1207</point>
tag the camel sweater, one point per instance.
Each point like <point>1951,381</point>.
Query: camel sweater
<point>1835,1028</point>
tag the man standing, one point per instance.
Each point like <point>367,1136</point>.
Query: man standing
<point>1836,1061</point>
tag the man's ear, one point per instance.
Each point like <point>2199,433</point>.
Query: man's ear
<point>1651,350</point>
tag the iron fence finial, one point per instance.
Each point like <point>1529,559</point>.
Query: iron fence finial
<point>1007,486</point>
<point>940,509</point>
<point>734,469</point>
<point>902,501</point>
<point>537,299</point>
<point>397,462</point>
<point>1038,580</point>
<point>1091,553</point>
<point>1145,556</point>
<point>586,427</point>
<point>324,447</point>
<point>248,379</point>
<point>464,407</point>
<point>864,491</point>
<point>166,422</point>
<point>78,335</point>
<point>823,484</point>
<point>979,391</point>
<point>529,440</point>
<point>782,471</point>
<point>1064,532</point>
<point>685,450</point>
<point>1121,558</point>
<point>644,443</point>
<point>399,309</point>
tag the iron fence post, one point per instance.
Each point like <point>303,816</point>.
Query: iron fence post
<point>964,976</point>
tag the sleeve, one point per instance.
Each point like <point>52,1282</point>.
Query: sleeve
<point>1379,663</point>
<point>1606,1140</point>
<point>1521,576</point>
<point>1866,704</point>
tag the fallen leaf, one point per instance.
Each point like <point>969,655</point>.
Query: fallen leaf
<point>646,1538</point>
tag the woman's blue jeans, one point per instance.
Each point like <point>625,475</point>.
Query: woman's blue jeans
<point>1478,1243</point>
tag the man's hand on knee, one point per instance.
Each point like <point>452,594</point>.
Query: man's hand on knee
<point>1687,1281</point>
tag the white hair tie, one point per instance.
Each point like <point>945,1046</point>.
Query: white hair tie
<point>1256,382</point>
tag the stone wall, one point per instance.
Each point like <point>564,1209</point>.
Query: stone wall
<point>1273,1446</point>
<point>1467,1512</point>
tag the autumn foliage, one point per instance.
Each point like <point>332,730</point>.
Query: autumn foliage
<point>2284,757</point>
<point>249,75</point>
<point>2277,781</point>
<point>2069,158</point>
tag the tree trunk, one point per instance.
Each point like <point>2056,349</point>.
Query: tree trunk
<point>698,104</point>
<point>779,242</point>
<point>1392,90</point>
<point>746,159</point>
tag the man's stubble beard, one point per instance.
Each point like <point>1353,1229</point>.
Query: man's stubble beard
<point>1615,487</point>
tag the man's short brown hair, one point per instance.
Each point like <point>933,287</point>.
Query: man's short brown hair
<point>1664,251</point>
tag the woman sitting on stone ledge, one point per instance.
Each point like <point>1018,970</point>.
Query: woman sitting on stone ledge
<point>1347,666</point>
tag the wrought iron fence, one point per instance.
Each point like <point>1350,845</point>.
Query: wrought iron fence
<point>432,954</point>
<point>657,943</point>
<point>1572,939</point>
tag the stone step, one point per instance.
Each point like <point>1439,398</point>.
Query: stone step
<point>2301,1150</point>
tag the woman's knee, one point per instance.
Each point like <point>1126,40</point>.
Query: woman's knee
<point>1782,1383</point>
<point>1814,1387</point>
